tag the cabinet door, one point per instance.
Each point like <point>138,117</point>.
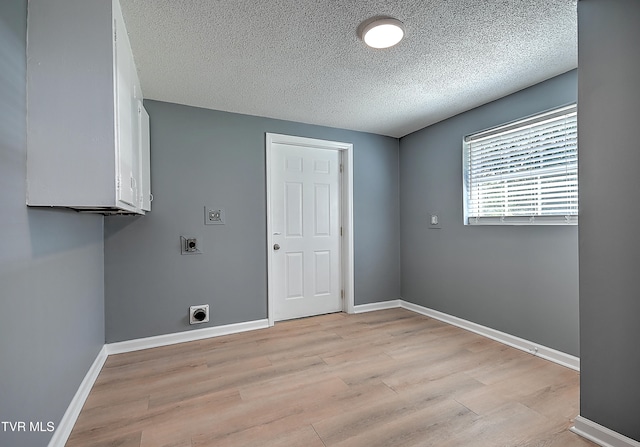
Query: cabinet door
<point>126,135</point>
<point>145,158</point>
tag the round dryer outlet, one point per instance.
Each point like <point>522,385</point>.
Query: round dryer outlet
<point>199,314</point>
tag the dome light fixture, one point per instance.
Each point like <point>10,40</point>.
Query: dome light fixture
<point>381,32</point>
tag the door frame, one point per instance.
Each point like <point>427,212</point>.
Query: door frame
<point>347,255</point>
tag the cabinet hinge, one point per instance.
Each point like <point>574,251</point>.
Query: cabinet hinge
<point>342,294</point>
<point>341,167</point>
<point>340,231</point>
<point>118,182</point>
<point>115,30</point>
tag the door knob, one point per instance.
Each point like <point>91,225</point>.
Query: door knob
<point>276,247</point>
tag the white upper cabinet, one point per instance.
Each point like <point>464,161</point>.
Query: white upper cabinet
<point>144,190</point>
<point>87,131</point>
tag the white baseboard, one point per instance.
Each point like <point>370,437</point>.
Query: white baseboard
<point>183,337</point>
<point>361,308</point>
<point>63,430</point>
<point>68,420</point>
<point>544,352</point>
<point>601,435</point>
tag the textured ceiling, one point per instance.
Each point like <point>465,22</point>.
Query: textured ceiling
<point>302,60</point>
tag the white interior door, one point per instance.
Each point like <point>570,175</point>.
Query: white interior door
<point>305,207</point>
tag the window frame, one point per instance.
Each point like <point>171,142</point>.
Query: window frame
<point>518,124</point>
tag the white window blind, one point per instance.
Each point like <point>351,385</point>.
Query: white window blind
<point>524,172</point>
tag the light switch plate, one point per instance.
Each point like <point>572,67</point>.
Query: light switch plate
<point>213,216</point>
<point>434,220</point>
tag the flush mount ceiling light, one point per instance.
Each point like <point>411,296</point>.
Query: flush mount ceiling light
<point>381,32</point>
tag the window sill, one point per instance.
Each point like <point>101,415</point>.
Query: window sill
<point>523,220</point>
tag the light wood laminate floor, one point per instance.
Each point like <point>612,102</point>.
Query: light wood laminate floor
<point>388,378</point>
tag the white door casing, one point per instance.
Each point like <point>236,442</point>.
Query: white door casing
<point>310,264</point>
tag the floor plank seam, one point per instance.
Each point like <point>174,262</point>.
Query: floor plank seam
<point>318,435</point>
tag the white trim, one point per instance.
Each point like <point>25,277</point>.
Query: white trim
<point>347,213</point>
<point>371,307</point>
<point>583,427</point>
<point>348,257</point>
<point>521,122</point>
<point>538,350</point>
<point>183,337</point>
<point>601,435</point>
<point>63,430</point>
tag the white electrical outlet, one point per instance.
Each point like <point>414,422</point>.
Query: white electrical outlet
<point>199,314</point>
<point>213,216</point>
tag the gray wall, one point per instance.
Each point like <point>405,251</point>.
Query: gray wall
<point>608,122</point>
<point>522,280</point>
<point>51,270</point>
<point>202,157</point>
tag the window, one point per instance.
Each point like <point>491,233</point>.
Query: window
<point>525,172</point>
